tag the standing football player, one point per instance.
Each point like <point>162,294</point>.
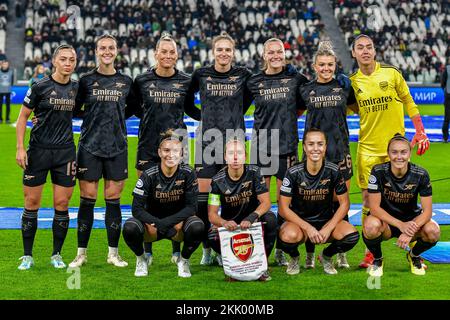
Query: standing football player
<point>161,94</point>
<point>275,130</point>
<point>224,101</point>
<point>306,203</point>
<point>51,148</point>
<point>393,189</point>
<point>102,149</point>
<point>381,93</point>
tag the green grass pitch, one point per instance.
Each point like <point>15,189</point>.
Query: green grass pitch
<point>99,280</point>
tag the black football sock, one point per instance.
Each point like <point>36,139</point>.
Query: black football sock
<point>29,228</point>
<point>343,245</point>
<point>310,247</point>
<point>290,248</point>
<point>85,221</point>
<point>374,246</point>
<point>203,215</point>
<point>60,227</point>
<point>148,247</point>
<point>193,229</point>
<point>421,246</point>
<point>133,234</point>
<point>175,246</point>
<point>113,221</point>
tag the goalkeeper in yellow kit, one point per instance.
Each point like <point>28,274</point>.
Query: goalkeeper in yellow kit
<point>381,92</point>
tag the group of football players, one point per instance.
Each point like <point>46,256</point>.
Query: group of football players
<point>228,188</point>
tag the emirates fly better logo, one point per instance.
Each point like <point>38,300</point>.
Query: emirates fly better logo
<point>242,246</point>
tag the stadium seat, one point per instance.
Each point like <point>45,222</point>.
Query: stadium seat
<point>37,53</point>
<point>122,30</point>
<point>259,20</point>
<point>142,54</point>
<point>237,54</point>
<point>87,23</point>
<point>133,54</point>
<point>136,72</point>
<point>260,49</point>
<point>2,40</point>
<point>252,49</point>
<point>180,65</point>
<point>151,57</point>
<point>127,71</point>
<point>46,47</point>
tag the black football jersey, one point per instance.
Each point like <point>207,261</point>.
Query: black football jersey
<point>223,96</point>
<point>399,196</point>
<point>276,103</point>
<point>53,104</point>
<point>238,198</point>
<point>162,104</point>
<point>326,104</point>
<point>165,196</point>
<point>105,97</point>
<point>312,195</point>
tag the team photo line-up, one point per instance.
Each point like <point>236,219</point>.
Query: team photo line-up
<point>187,205</point>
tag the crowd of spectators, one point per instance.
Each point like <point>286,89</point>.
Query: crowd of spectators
<point>414,36</point>
<point>139,24</point>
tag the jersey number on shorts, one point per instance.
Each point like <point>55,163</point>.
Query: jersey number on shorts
<point>71,168</point>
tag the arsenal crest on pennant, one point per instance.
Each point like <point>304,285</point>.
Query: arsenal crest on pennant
<point>242,246</point>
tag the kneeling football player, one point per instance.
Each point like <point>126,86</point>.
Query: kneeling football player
<point>241,193</point>
<point>306,203</point>
<point>393,190</point>
<point>164,207</point>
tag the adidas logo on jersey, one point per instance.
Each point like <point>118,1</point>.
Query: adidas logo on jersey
<point>152,85</point>
<point>312,92</point>
<point>95,84</point>
<point>261,85</point>
<point>209,79</point>
<point>158,186</point>
<point>228,191</point>
<point>359,91</point>
<point>53,93</point>
<point>387,185</point>
<point>303,184</point>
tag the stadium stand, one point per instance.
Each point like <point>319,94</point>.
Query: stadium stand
<point>412,35</point>
<point>138,24</point>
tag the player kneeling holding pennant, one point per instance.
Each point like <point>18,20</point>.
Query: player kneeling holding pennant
<point>240,191</point>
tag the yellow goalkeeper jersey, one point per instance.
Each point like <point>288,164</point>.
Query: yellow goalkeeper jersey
<point>380,98</point>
